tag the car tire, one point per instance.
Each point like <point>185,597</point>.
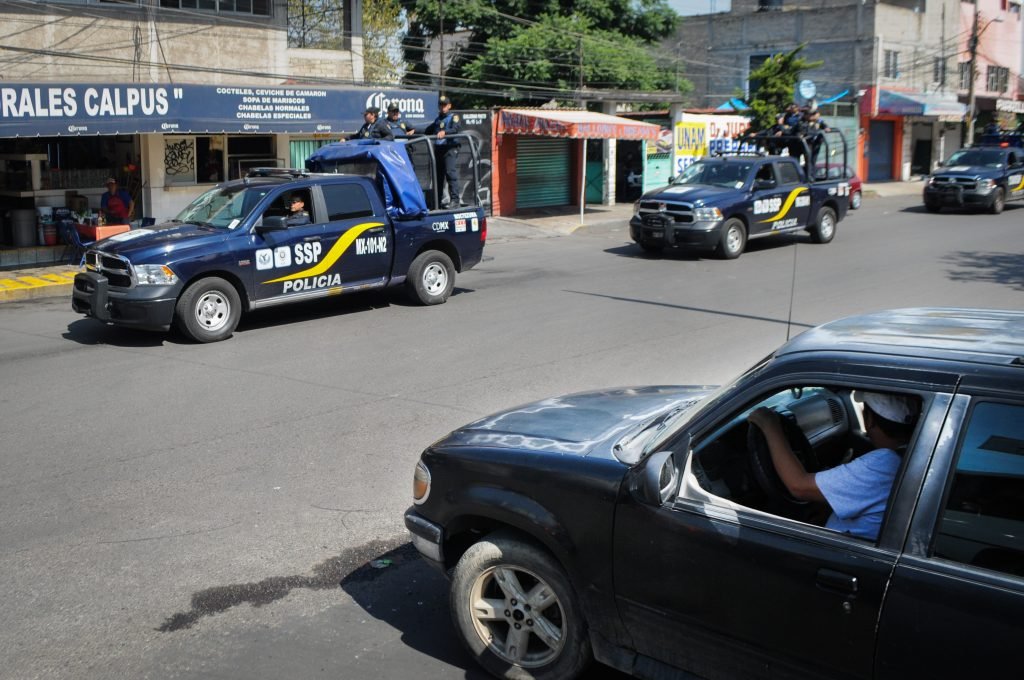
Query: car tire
<point>208,310</point>
<point>651,248</point>
<point>855,201</point>
<point>824,229</point>
<point>431,278</point>
<point>734,239</point>
<point>998,201</point>
<point>932,206</point>
<point>502,582</point>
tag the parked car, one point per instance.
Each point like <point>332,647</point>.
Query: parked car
<point>847,173</point>
<point>643,527</point>
<point>238,246</point>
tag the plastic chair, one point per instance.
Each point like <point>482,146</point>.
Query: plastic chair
<point>74,243</point>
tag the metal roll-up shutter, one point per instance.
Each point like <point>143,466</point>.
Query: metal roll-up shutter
<point>542,172</point>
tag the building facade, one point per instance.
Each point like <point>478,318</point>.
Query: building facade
<point>889,69</point>
<point>169,97</point>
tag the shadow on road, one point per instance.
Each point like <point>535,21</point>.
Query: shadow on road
<point>1006,269</point>
<point>758,245</point>
<point>93,332</point>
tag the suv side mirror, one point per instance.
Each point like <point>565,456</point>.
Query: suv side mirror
<point>272,223</point>
<point>659,478</point>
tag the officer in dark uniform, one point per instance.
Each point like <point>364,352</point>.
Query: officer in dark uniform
<point>373,126</point>
<point>297,215</point>
<point>395,124</point>
<point>446,151</point>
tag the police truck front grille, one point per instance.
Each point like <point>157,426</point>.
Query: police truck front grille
<point>965,182</point>
<point>681,213</point>
<point>117,270</point>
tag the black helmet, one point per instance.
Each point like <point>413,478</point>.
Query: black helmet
<point>392,108</point>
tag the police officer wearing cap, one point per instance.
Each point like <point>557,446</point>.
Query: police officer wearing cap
<point>373,126</point>
<point>446,150</point>
<point>395,124</point>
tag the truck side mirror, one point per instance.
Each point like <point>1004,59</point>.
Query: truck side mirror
<point>271,223</point>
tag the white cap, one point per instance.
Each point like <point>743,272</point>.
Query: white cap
<point>892,407</point>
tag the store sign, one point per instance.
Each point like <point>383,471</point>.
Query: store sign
<point>1009,106</point>
<point>699,135</point>
<point>29,110</point>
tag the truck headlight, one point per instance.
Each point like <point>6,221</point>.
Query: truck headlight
<point>154,275</point>
<point>706,214</point>
<point>636,207</point>
<point>420,483</point>
<point>987,184</point>
<point>930,181</point>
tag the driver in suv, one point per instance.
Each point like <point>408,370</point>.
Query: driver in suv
<point>856,492</point>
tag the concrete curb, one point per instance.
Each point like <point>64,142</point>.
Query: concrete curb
<point>44,284</point>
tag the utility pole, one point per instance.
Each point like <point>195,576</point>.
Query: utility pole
<point>972,45</point>
<point>440,10</point>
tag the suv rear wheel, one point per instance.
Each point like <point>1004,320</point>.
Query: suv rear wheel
<point>431,277</point>
<point>824,229</point>
<point>517,613</point>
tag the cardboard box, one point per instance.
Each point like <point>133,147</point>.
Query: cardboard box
<point>91,232</point>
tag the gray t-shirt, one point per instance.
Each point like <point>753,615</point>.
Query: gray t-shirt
<point>858,492</point>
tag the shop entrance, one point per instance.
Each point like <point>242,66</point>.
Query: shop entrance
<point>880,143</point>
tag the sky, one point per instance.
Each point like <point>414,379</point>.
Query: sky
<point>690,7</point>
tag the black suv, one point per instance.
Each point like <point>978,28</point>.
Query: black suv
<point>982,177</point>
<point>643,527</point>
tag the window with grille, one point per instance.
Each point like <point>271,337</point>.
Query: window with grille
<point>261,7</point>
<point>939,70</point>
<point>965,74</point>
<point>998,79</point>
<point>892,64</point>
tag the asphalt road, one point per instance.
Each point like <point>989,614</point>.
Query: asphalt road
<point>170,510</point>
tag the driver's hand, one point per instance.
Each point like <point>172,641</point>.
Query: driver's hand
<point>765,418</point>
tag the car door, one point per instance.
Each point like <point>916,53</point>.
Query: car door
<point>358,238</point>
<point>781,200</point>
<point>282,256</point>
<point>725,591</point>
<point>955,608</point>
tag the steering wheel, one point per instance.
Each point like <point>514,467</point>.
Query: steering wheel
<point>761,458</point>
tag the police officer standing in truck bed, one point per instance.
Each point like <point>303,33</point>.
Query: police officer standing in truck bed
<point>446,151</point>
<point>373,126</point>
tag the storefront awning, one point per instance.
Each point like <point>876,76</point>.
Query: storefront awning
<point>55,109</point>
<point>919,104</point>
<point>574,124</point>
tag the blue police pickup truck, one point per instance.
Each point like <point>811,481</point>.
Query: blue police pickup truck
<point>983,177</point>
<point>719,203</point>
<point>360,217</point>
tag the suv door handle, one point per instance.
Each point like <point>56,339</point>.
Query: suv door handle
<point>837,582</point>
<point>308,239</point>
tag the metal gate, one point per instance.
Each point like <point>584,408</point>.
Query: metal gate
<point>542,172</point>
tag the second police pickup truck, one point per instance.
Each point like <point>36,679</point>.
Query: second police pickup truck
<point>236,248</point>
<point>985,176</point>
<point>719,203</point>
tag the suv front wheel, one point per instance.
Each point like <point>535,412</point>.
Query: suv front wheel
<point>517,613</point>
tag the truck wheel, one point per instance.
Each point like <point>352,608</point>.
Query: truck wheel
<point>998,201</point>
<point>208,310</point>
<point>825,229</point>
<point>932,206</point>
<point>517,613</point>
<point>855,201</point>
<point>648,247</point>
<point>734,239</point>
<point>431,278</point>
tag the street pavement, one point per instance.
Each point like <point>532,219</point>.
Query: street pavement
<point>234,510</point>
<point>30,283</point>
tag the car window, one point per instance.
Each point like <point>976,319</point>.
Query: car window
<point>765,175</point>
<point>982,523</point>
<point>346,201</point>
<point>788,173</point>
<point>824,427</point>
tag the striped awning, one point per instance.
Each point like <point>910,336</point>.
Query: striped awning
<point>573,123</point>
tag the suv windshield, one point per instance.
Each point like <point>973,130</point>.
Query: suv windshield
<point>732,174</point>
<point>223,207</point>
<point>993,158</point>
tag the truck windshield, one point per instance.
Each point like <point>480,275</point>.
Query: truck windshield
<point>732,174</point>
<point>223,207</point>
<point>993,158</point>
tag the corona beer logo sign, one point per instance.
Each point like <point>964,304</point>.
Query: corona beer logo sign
<point>410,105</point>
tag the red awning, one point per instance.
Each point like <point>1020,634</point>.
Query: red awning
<point>572,123</point>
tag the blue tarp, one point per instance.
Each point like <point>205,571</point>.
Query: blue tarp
<point>398,178</point>
<point>733,104</point>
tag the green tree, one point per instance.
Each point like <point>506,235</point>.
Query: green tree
<point>316,24</point>
<point>383,27</point>
<point>772,85</point>
<point>538,49</point>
